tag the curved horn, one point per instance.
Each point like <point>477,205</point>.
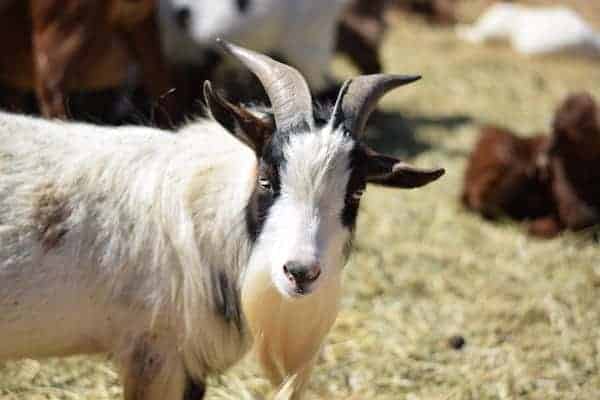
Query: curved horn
<point>359,97</point>
<point>286,88</point>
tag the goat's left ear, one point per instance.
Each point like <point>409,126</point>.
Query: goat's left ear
<point>389,171</point>
<point>244,125</point>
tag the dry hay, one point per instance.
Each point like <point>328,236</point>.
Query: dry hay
<point>424,269</point>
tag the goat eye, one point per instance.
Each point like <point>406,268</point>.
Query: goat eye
<point>358,194</point>
<point>264,184</point>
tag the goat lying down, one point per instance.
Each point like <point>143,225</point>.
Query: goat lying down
<point>176,253</point>
<point>535,30</point>
<point>549,181</point>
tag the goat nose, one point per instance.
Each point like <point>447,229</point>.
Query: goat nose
<point>301,273</point>
<point>182,17</point>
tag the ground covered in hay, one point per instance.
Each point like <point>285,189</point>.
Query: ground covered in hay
<point>428,277</point>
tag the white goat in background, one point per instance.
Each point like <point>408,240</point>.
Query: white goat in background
<point>302,32</point>
<point>535,31</point>
<point>176,252</point>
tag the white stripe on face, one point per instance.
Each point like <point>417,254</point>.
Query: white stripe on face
<point>304,224</point>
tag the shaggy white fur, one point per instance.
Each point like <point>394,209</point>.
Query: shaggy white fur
<point>130,234</point>
<point>114,236</point>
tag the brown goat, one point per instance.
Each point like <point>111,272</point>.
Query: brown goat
<point>551,181</point>
<point>503,178</point>
<point>574,160</point>
<point>65,46</point>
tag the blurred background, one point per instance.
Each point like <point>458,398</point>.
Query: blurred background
<point>482,286</point>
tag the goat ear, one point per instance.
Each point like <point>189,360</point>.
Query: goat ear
<point>389,171</point>
<point>253,131</point>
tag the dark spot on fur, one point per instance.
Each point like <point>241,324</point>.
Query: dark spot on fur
<point>145,366</point>
<point>50,215</point>
<point>194,390</point>
<point>243,5</point>
<point>227,298</point>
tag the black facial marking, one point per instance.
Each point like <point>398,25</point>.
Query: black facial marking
<point>226,298</point>
<point>261,200</point>
<point>356,183</point>
<point>243,5</point>
<point>194,390</point>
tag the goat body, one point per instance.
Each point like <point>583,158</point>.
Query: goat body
<point>575,161</point>
<point>98,235</point>
<point>549,180</point>
<point>175,252</point>
<point>502,175</point>
<point>301,32</point>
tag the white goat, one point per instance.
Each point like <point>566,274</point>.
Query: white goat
<point>302,32</point>
<point>176,252</point>
<point>535,31</point>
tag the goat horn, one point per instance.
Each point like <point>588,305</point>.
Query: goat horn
<point>359,97</point>
<point>286,88</point>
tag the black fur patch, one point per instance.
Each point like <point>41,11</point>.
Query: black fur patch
<point>261,200</point>
<point>243,5</point>
<point>357,182</point>
<point>51,214</point>
<point>226,298</point>
<point>194,390</point>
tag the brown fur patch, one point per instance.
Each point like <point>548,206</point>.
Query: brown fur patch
<point>145,365</point>
<point>50,213</point>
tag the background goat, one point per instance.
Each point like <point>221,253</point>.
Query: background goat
<point>302,33</point>
<point>548,180</point>
<point>574,161</point>
<point>503,179</point>
<point>541,30</point>
<point>173,252</point>
<point>360,33</point>
<point>68,47</point>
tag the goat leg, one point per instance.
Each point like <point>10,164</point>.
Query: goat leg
<point>62,32</point>
<point>574,212</point>
<point>154,370</point>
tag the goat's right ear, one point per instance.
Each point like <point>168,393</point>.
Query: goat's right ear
<point>255,132</point>
<point>389,171</point>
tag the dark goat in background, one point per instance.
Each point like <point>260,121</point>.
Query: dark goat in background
<point>552,182</point>
<point>574,161</point>
<point>502,178</point>
<point>80,46</point>
<point>360,33</point>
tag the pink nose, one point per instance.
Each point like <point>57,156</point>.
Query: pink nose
<point>300,273</point>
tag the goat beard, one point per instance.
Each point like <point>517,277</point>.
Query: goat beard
<point>288,333</point>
